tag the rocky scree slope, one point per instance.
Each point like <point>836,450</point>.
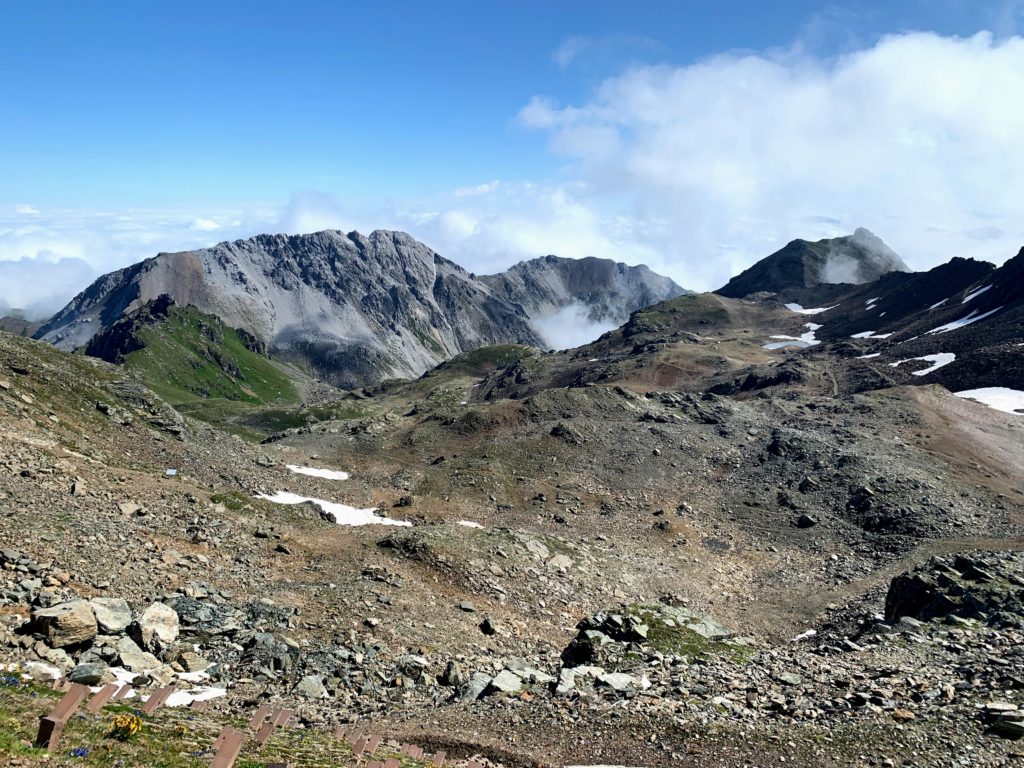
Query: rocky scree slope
<point>355,309</point>
<point>596,501</point>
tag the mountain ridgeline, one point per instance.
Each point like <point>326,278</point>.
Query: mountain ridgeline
<point>858,258</point>
<point>357,309</point>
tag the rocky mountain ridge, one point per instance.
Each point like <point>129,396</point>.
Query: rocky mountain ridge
<point>355,309</point>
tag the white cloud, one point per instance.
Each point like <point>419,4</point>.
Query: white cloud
<point>569,50</point>
<point>203,225</point>
<point>918,138</point>
<point>26,210</point>
<point>479,189</point>
<point>570,327</point>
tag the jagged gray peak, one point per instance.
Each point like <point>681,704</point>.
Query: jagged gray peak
<point>605,291</point>
<point>858,258</point>
<point>355,308</point>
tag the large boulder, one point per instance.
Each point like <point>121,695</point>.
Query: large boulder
<point>65,624</point>
<point>622,636</point>
<point>113,614</point>
<point>134,658</point>
<point>157,628</point>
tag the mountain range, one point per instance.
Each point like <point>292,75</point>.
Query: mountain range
<point>357,309</point>
<point>354,310</point>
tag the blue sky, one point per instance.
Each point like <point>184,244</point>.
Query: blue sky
<point>130,128</point>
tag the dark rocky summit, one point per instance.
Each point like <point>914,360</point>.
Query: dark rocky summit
<point>858,258</point>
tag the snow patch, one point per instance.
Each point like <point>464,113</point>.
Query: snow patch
<point>937,361</point>
<point>975,294</point>
<point>469,524</point>
<point>199,693</point>
<point>971,318</point>
<point>870,335</point>
<point>327,474</point>
<point>868,357</point>
<point>804,340</point>
<point>1001,398</point>
<point>343,514</point>
<point>815,311</point>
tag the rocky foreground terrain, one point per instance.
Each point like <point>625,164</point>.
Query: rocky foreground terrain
<point>682,544</point>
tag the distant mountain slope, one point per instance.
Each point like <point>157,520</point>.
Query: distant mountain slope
<point>352,308</point>
<point>604,291</point>
<point>355,309</point>
<point>858,258</point>
<point>17,325</point>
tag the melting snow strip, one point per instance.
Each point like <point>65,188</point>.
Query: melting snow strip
<point>937,304</point>
<point>975,294</point>
<point>327,474</point>
<point>870,335</point>
<point>469,524</point>
<point>971,318</point>
<point>1001,398</point>
<point>937,361</point>
<point>815,311</point>
<point>868,357</point>
<point>342,513</point>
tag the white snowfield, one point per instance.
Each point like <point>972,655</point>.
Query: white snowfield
<point>971,318</point>
<point>327,474</point>
<point>870,335</point>
<point>815,311</point>
<point>469,524</point>
<point>343,514</point>
<point>937,361</point>
<point>1001,398</point>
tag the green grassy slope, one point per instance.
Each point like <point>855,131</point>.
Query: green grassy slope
<point>190,355</point>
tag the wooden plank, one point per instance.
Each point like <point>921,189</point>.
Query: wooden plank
<point>228,751</point>
<point>371,745</point>
<point>223,735</point>
<point>101,697</point>
<point>123,692</point>
<point>340,731</point>
<point>157,698</point>
<point>264,733</point>
<point>51,726</point>
<point>392,762</point>
<point>281,717</point>
<point>438,758</point>
<point>359,747</point>
<point>258,717</point>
